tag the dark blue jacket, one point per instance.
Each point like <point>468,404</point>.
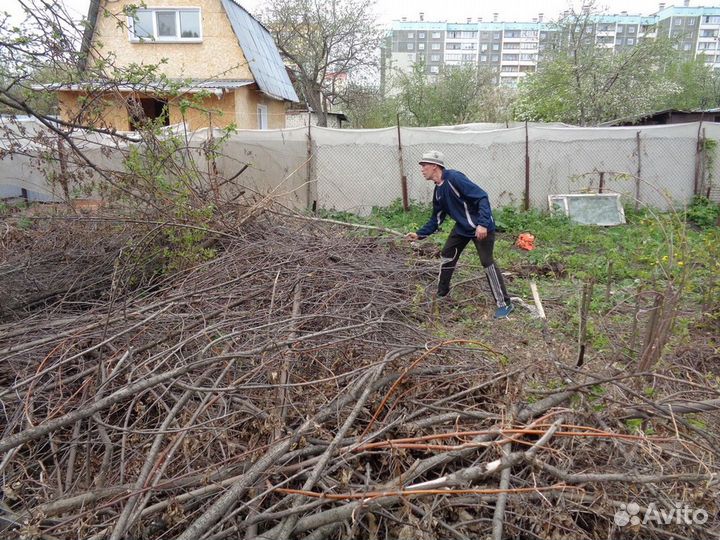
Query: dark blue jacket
<point>463,201</point>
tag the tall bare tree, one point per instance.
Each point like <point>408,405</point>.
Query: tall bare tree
<point>323,41</point>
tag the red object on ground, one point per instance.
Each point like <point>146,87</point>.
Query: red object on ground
<point>526,241</point>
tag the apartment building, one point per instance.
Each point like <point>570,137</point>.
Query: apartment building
<point>513,49</point>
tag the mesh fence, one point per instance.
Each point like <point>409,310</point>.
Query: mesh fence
<point>657,166</point>
<point>356,170</point>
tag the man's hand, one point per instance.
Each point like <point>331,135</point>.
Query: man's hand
<point>411,237</point>
<point>480,232</point>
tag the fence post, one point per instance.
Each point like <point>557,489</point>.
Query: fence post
<point>601,186</point>
<point>639,170</point>
<point>403,178</point>
<point>311,204</point>
<point>703,161</point>
<point>526,202</point>
<point>700,145</point>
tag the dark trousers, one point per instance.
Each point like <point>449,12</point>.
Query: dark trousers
<point>451,252</point>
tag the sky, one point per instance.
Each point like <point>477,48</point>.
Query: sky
<point>451,10</point>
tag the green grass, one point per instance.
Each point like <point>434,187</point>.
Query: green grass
<point>652,249</point>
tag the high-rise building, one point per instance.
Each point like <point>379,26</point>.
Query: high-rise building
<point>513,49</point>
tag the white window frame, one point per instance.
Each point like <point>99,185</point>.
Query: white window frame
<point>435,46</point>
<point>262,116</point>
<point>434,69</point>
<point>421,46</point>
<point>165,39</point>
<point>411,35</point>
<point>436,35</point>
<point>410,46</point>
<point>630,41</point>
<point>421,35</point>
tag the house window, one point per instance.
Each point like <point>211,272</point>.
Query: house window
<point>410,46</point>
<point>434,57</point>
<point>436,35</point>
<point>421,35</point>
<point>421,46</point>
<point>434,69</point>
<point>435,46</point>
<point>262,116</point>
<point>631,29</point>
<point>166,25</point>
<point>630,41</point>
<point>411,35</point>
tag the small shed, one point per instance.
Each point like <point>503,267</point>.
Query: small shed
<point>667,116</point>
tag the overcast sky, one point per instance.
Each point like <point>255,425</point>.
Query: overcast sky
<point>452,10</point>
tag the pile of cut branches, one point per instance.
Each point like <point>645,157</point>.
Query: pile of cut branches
<point>291,387</point>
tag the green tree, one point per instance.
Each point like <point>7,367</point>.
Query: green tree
<point>368,108</point>
<point>699,86</point>
<point>321,39</point>
<point>458,95</point>
<point>581,82</point>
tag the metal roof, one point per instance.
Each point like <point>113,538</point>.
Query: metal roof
<point>638,117</point>
<point>261,52</point>
<point>189,86</point>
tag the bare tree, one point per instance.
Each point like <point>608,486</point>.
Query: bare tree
<point>324,41</point>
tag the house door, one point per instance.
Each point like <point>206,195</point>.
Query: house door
<point>144,109</point>
<point>262,117</point>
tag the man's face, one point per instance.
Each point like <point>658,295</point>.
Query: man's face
<point>428,170</point>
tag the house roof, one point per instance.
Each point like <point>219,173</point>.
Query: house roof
<point>299,112</point>
<point>639,117</point>
<point>261,52</point>
<point>255,40</point>
<point>189,86</point>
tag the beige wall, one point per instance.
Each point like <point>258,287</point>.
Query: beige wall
<point>218,56</point>
<point>221,109</point>
<point>114,113</point>
<point>106,111</point>
<point>246,110</point>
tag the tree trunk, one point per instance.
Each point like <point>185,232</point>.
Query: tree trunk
<point>314,99</point>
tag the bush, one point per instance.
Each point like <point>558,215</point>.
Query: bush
<point>703,212</point>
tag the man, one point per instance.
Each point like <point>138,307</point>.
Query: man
<point>464,201</point>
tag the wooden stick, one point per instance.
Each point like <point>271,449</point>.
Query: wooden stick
<point>536,299</point>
